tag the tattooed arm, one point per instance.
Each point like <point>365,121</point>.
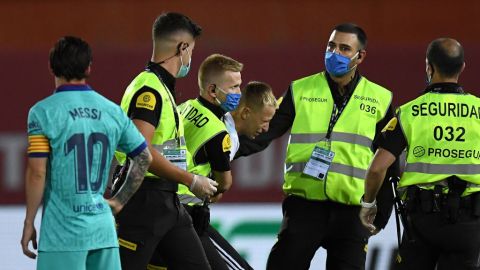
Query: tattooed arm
<point>138,166</point>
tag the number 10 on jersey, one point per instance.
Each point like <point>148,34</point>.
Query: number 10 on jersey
<point>90,158</point>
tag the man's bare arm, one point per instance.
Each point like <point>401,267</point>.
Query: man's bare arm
<point>34,189</point>
<point>134,179</point>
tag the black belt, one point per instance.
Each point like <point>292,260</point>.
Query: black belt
<point>426,201</point>
<point>465,201</point>
<point>159,184</point>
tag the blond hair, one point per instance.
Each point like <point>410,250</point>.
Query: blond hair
<point>213,66</point>
<point>257,95</point>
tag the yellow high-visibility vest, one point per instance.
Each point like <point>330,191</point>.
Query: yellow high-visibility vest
<point>200,125</point>
<point>166,134</point>
<point>442,132</point>
<point>351,138</point>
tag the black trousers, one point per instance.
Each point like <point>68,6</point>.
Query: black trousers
<point>308,225</point>
<point>220,254</point>
<point>156,220</point>
<point>439,244</point>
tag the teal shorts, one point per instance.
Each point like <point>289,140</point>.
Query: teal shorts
<point>98,259</point>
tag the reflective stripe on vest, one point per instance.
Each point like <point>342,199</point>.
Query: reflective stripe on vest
<point>335,136</point>
<point>170,144</point>
<point>443,168</point>
<point>335,167</point>
<point>185,198</point>
<point>442,132</point>
<point>196,135</point>
<point>166,133</point>
<point>351,138</point>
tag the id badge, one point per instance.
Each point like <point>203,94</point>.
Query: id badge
<point>177,157</point>
<point>319,163</point>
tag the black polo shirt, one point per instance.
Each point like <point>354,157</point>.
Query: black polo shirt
<point>393,140</point>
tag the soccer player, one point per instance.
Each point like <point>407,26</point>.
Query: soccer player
<point>72,136</point>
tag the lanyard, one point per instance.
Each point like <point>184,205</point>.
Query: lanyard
<point>336,112</point>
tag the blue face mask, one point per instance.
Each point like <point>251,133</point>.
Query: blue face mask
<point>231,102</point>
<point>337,64</point>
<point>183,71</point>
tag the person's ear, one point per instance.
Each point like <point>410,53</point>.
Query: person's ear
<point>245,113</point>
<point>430,70</point>
<point>211,90</point>
<point>50,68</point>
<point>181,47</point>
<point>361,56</point>
<point>88,70</point>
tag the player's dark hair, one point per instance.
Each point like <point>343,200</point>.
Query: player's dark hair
<point>353,29</point>
<point>70,58</point>
<point>171,22</point>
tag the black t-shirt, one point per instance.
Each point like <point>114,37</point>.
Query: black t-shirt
<point>216,151</point>
<point>392,138</point>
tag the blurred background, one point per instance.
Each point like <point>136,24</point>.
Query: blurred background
<point>278,41</point>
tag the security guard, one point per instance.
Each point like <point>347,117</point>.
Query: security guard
<point>154,218</point>
<point>209,143</point>
<point>219,79</point>
<point>440,131</point>
<point>334,117</point>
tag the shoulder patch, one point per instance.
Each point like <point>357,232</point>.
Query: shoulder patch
<point>226,143</point>
<point>34,126</point>
<point>146,100</point>
<point>391,125</point>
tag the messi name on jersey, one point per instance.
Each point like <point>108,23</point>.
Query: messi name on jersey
<point>91,113</point>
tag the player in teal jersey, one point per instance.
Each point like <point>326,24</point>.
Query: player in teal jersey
<point>72,137</point>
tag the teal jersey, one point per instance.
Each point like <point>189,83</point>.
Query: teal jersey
<point>78,130</point>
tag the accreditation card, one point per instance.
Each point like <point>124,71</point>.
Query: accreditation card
<point>319,163</point>
<point>176,156</point>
